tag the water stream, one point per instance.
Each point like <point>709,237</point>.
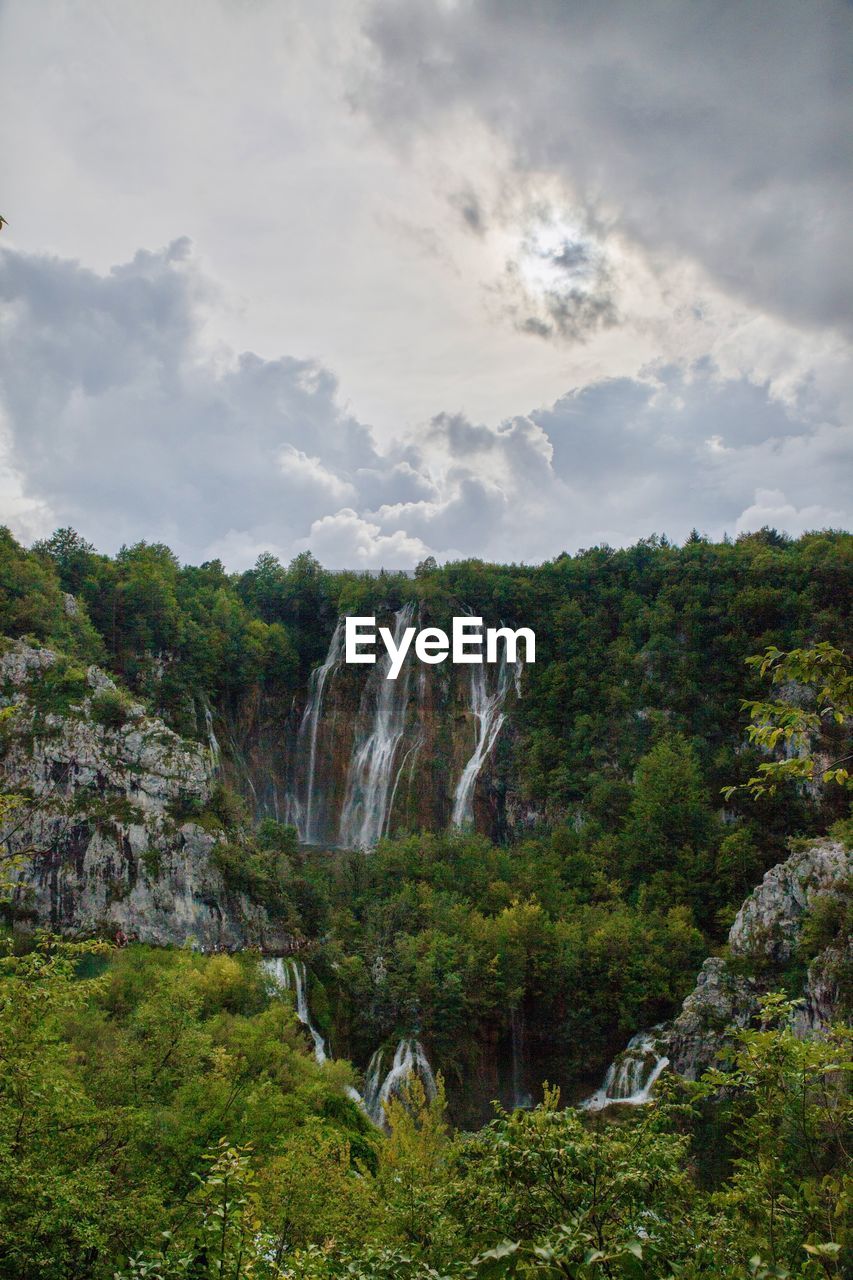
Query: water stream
<point>365,814</point>
<point>487,709</point>
<point>289,975</point>
<point>631,1077</point>
<point>305,811</point>
<point>380,1086</point>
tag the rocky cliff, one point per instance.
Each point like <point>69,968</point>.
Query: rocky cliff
<point>113,834</point>
<point>369,757</point>
<point>765,952</point>
<point>763,946</point>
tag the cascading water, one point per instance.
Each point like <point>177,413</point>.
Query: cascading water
<point>289,975</point>
<point>212,741</point>
<point>631,1077</point>
<point>366,810</point>
<point>520,1096</point>
<point>487,710</point>
<point>303,809</point>
<point>409,1060</point>
<point>373,1078</point>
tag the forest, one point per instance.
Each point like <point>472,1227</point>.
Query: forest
<point>161,1114</point>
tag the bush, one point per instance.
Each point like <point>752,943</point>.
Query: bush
<point>58,688</point>
<point>110,708</point>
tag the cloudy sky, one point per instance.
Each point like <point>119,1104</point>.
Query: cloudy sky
<point>398,277</point>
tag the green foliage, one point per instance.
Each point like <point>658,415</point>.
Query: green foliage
<point>464,931</point>
<point>277,837</point>
<point>110,708</point>
<point>58,688</point>
<point>165,1119</point>
<point>32,603</point>
<point>792,1115</point>
<point>822,675</point>
<point>129,1103</point>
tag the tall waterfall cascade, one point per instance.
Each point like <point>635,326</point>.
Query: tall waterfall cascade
<point>289,975</point>
<point>486,707</point>
<point>381,1086</point>
<point>631,1077</point>
<point>366,809</point>
<point>365,744</point>
<point>305,812</point>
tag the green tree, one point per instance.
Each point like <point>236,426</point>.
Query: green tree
<point>823,677</point>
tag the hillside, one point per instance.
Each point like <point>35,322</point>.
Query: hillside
<point>436,893</point>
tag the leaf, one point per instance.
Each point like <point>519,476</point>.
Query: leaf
<point>829,1250</point>
<point>500,1261</point>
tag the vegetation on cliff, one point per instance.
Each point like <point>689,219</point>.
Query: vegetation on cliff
<point>160,1113</point>
<point>629,642</point>
<point>161,1117</point>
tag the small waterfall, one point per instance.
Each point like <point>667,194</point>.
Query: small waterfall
<point>212,741</point>
<point>487,710</point>
<point>304,811</point>
<point>373,1084</point>
<point>409,758</point>
<point>366,810</point>
<point>289,975</point>
<point>520,1097</point>
<point>409,1060</point>
<point>631,1077</point>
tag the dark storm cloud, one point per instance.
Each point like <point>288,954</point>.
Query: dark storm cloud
<point>720,133</point>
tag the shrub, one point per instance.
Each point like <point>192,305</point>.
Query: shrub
<point>110,708</point>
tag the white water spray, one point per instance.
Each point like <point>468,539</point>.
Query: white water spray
<point>289,975</point>
<point>306,812</point>
<point>631,1077</point>
<point>487,710</point>
<point>409,1060</point>
<point>366,810</point>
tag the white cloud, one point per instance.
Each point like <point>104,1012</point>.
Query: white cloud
<point>771,508</point>
<point>122,423</point>
<point>297,466</point>
<point>346,540</point>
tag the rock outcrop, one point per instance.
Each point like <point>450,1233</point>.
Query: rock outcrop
<point>762,947</point>
<point>761,942</point>
<point>768,923</point>
<point>113,833</point>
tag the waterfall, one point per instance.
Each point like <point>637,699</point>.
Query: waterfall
<point>411,755</point>
<point>212,741</point>
<point>366,811</point>
<point>409,1057</point>
<point>487,710</point>
<point>373,1084</point>
<point>631,1077</point>
<point>409,1060</point>
<point>520,1096</point>
<point>289,975</point>
<point>304,812</point>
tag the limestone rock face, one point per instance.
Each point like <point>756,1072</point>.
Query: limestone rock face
<point>763,939</point>
<point>719,1000</point>
<point>102,841</point>
<point>768,923</point>
<point>824,994</point>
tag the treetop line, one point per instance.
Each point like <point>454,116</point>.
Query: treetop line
<point>433,645</point>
